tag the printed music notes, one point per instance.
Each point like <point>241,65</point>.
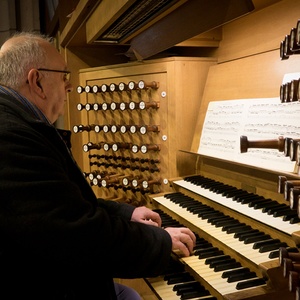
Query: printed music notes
<point>258,119</point>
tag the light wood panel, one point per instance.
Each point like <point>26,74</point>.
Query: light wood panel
<point>258,32</point>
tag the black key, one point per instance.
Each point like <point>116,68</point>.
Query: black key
<point>213,219</point>
<point>263,204</point>
<point>226,274</point>
<point>201,251</point>
<point>276,208</point>
<point>268,248</point>
<point>226,219</point>
<point>269,205</point>
<point>282,212</point>
<point>243,235</point>
<point>239,198</point>
<point>203,246</point>
<point>228,266</point>
<point>213,259</point>
<point>236,194</point>
<point>186,204</point>
<point>176,278</point>
<point>242,228</point>
<point>208,215</point>
<point>274,254</point>
<point>188,285</point>
<point>251,199</point>
<point>210,254</point>
<point>194,294</point>
<point>200,209</point>
<point>227,223</point>
<point>205,210</point>
<point>231,190</point>
<point>221,262</point>
<point>257,201</point>
<point>228,227</point>
<point>235,278</point>
<point>289,216</point>
<point>259,244</point>
<point>295,220</point>
<point>254,239</point>
<point>250,283</point>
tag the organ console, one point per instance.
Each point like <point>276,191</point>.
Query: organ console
<point>240,222</point>
<point>245,216</point>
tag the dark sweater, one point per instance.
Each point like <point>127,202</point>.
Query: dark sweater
<point>57,240</point>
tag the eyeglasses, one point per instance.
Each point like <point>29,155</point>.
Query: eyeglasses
<point>67,73</point>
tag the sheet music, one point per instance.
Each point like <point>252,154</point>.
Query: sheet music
<point>258,119</point>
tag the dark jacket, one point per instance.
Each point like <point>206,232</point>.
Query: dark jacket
<point>57,241</point>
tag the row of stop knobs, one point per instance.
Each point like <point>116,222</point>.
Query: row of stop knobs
<point>290,188</point>
<point>125,163</point>
<point>121,146</point>
<point>289,260</point>
<point>132,105</point>
<point>121,181</point>
<point>123,166</point>
<point>120,87</point>
<point>291,43</point>
<point>143,129</point>
<point>290,91</point>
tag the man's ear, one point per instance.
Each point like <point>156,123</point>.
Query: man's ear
<point>33,79</point>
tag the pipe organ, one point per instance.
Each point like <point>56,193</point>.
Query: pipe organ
<point>137,129</point>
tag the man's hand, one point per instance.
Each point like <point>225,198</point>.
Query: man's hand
<point>145,215</point>
<point>183,239</point>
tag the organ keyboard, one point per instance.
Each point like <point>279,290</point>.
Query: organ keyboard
<point>239,234</point>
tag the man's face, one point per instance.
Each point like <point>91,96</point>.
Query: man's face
<point>55,84</point>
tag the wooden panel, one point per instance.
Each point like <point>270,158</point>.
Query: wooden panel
<point>258,32</point>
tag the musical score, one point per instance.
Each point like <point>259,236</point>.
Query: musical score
<point>257,119</point>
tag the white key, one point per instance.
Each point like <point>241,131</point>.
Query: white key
<point>213,278</point>
<point>256,214</point>
<point>228,239</point>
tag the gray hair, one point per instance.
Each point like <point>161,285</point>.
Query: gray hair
<point>20,57</point>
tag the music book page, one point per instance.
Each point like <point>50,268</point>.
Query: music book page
<point>258,119</point>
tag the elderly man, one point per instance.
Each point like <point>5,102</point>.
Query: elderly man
<point>57,240</point>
